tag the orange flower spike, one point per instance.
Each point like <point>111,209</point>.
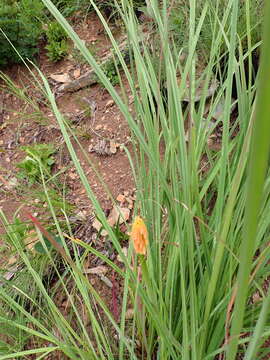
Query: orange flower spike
<point>139,235</point>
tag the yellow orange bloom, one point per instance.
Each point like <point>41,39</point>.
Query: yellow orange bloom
<point>139,235</point>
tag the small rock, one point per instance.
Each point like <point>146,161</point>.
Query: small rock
<point>98,127</point>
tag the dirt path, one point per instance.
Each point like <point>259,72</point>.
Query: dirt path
<point>95,120</point>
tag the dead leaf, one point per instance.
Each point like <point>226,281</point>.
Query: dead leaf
<point>106,281</point>
<point>62,78</point>
<point>129,314</point>
<point>109,103</point>
<point>121,198</point>
<point>118,213</point>
<point>98,270</point>
<point>97,225</point>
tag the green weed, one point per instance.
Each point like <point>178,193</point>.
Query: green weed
<point>57,41</point>
<point>39,158</point>
<point>111,71</point>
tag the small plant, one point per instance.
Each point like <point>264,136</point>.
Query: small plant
<point>110,70</point>
<point>57,41</point>
<point>38,157</point>
<point>19,24</point>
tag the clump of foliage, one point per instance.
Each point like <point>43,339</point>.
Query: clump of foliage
<point>110,70</point>
<point>19,23</point>
<point>57,41</point>
<point>39,160</point>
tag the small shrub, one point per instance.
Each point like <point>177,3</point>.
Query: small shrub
<point>110,70</point>
<point>19,23</point>
<point>57,41</point>
<point>38,156</point>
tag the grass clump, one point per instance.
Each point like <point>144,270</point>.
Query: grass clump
<point>249,24</point>
<point>207,230</point>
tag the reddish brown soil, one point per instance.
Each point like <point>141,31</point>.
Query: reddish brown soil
<point>21,125</point>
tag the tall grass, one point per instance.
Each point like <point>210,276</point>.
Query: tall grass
<point>206,212</point>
